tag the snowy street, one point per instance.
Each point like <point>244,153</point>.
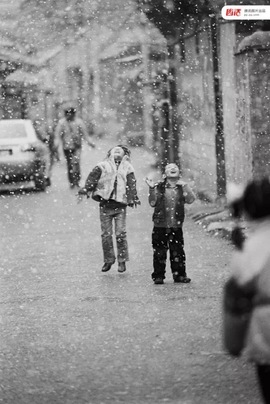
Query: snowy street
<point>72,334</point>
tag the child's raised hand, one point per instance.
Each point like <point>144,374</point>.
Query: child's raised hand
<point>150,182</point>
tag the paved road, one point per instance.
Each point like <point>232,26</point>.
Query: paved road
<point>73,335</point>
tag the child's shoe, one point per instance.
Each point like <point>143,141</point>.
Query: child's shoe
<point>158,281</point>
<point>181,279</point>
<point>106,267</point>
<point>121,267</point>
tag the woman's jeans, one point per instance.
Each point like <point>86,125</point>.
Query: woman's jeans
<point>108,215</point>
<point>164,239</point>
<point>73,158</point>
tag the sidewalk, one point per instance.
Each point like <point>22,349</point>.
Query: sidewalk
<point>215,218</point>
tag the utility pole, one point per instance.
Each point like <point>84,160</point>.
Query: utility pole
<point>173,96</point>
<point>145,91</point>
<point>164,105</point>
<point>219,136</point>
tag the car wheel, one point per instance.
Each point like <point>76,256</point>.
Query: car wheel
<point>40,183</point>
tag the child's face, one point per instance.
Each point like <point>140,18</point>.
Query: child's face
<point>172,171</point>
<point>117,153</point>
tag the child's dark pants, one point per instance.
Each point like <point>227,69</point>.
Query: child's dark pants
<point>73,166</point>
<point>162,240</point>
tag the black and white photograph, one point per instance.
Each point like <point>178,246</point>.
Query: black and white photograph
<point>134,202</point>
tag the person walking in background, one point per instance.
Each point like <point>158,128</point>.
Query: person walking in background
<point>70,131</point>
<point>168,198</point>
<point>246,323</point>
<point>45,134</point>
<point>113,184</point>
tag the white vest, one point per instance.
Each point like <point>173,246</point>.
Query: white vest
<point>110,173</point>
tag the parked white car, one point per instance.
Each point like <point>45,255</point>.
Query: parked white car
<point>23,156</point>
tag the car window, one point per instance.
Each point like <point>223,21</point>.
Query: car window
<point>12,131</point>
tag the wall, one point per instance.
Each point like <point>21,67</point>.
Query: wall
<point>229,84</point>
<point>245,96</point>
<point>253,114</point>
<point>242,157</point>
<point>237,108</point>
<point>260,112</point>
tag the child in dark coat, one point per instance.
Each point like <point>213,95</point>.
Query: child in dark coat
<point>113,184</point>
<point>168,198</point>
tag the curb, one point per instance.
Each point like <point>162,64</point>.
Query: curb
<point>214,226</point>
<point>215,220</point>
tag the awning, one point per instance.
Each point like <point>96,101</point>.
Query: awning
<point>41,79</point>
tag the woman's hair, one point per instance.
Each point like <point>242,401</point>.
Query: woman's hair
<point>255,201</point>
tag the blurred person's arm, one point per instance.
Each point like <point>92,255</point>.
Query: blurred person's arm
<point>85,134</point>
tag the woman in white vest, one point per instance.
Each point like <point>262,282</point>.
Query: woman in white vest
<point>113,184</point>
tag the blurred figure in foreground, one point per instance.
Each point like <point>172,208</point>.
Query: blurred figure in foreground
<point>247,292</point>
<point>70,131</point>
<point>113,184</point>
